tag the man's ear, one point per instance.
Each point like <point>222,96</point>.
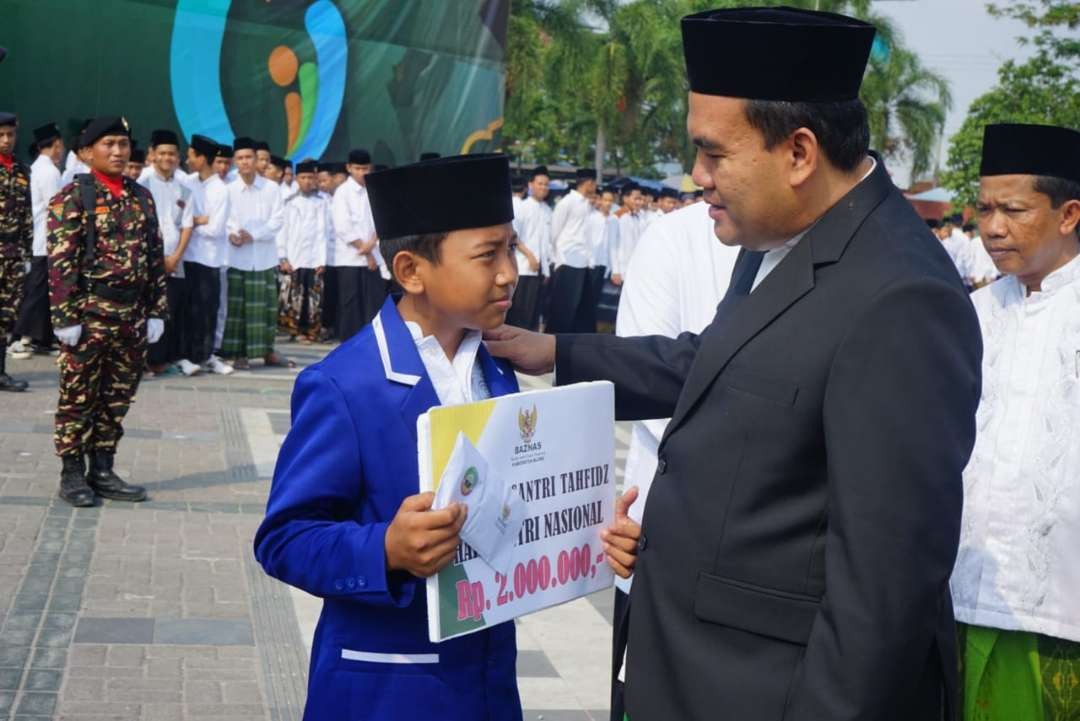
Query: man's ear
<point>1070,217</point>
<point>805,156</point>
<point>406,270</point>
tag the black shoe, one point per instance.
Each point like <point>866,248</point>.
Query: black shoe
<point>73,488</point>
<point>109,485</point>
<point>7,383</point>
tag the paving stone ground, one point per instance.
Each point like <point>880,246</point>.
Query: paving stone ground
<point>157,611</point>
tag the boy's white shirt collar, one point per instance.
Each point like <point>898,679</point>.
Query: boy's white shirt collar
<point>457,380</point>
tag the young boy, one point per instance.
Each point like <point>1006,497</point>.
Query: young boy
<point>302,251</point>
<point>344,520</point>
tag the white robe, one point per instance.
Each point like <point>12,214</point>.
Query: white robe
<point>1018,566</point>
<point>678,274</point>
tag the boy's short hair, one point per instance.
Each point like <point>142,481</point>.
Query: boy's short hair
<point>426,245</point>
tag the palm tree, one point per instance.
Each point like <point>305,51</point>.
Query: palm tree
<point>906,104</point>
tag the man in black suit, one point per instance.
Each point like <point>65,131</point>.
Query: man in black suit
<point>800,532</point>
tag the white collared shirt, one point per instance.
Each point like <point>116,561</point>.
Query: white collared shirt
<point>45,182</point>
<point>209,198</point>
<point>602,232</point>
<point>773,257</point>
<point>255,208</point>
<point>172,199</point>
<point>631,227</point>
<point>1017,567</point>
<point>352,220</point>
<point>306,234</point>
<point>72,167</point>
<point>534,219</point>
<point>678,276</point>
<point>568,230</point>
<point>456,381</point>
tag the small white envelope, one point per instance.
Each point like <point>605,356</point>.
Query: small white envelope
<point>496,512</point>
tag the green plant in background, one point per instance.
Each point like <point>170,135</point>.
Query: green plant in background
<point>602,83</point>
<point>1040,90</point>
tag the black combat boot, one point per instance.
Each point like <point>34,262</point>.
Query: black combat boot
<point>73,488</point>
<point>109,485</point>
<point>7,383</point>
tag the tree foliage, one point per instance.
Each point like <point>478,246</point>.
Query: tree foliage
<point>1041,90</point>
<point>583,74</point>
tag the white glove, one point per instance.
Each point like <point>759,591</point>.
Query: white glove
<point>154,328</point>
<point>70,335</point>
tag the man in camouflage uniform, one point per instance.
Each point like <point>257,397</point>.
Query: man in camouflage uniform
<point>106,306</point>
<point>16,239</point>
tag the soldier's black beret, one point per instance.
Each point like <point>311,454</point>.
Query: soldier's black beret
<point>101,127</point>
<point>8,118</point>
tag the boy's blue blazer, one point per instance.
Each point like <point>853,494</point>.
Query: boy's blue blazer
<point>343,471</point>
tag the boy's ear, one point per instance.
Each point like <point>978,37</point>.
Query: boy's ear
<point>405,268</point>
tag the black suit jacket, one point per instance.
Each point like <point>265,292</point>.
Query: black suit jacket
<point>805,515</point>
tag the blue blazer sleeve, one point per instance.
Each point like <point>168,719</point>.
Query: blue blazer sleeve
<point>311,538</point>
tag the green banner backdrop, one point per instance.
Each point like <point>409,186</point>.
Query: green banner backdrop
<point>313,78</point>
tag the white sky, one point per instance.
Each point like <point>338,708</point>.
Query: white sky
<point>959,40</point>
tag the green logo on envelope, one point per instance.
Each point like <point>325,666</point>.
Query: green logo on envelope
<point>470,481</point>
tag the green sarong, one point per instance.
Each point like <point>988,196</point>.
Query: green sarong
<point>1018,676</point>
<point>251,316</point>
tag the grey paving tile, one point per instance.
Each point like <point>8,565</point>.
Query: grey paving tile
<point>23,501</point>
<point>534,664</point>
<point>54,637</point>
<point>64,621</point>
<point>36,704</point>
<point>41,679</point>
<point>17,637</point>
<point>65,602</point>
<point>23,619</point>
<point>604,602</point>
<point>10,678</point>
<point>204,632</point>
<point>29,600</point>
<point>49,658</point>
<point>115,630</point>
<point>70,585</point>
<point>13,656</point>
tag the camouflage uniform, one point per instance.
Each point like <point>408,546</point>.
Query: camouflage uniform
<point>99,376</point>
<point>16,240</point>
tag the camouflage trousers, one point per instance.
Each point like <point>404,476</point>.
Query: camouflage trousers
<point>12,271</point>
<point>98,380</point>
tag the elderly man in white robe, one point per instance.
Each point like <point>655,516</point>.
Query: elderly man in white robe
<point>1016,584</point>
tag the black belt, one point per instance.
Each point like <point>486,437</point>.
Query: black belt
<point>128,295</point>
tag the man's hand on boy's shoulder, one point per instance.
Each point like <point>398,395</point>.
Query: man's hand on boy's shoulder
<point>422,541</point>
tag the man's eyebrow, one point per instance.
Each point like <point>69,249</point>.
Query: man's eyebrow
<point>703,142</point>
